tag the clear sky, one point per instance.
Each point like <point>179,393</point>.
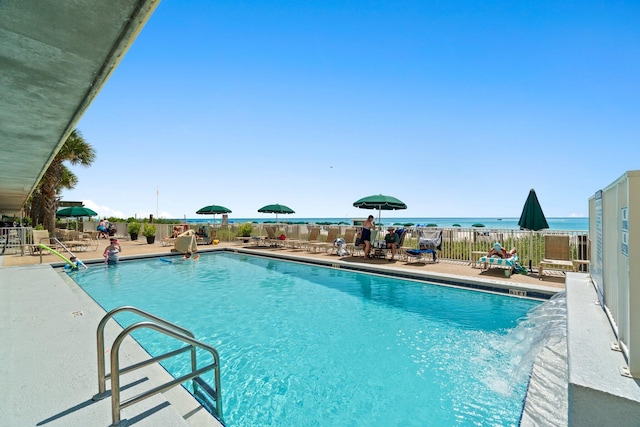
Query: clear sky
<point>457,108</point>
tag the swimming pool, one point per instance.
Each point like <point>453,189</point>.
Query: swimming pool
<point>305,345</point>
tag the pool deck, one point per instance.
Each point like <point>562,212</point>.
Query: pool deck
<point>48,327</point>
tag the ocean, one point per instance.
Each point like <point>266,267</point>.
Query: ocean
<point>569,224</point>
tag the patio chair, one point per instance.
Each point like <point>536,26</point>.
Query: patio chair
<point>557,255</point>
<point>383,252</point>
<point>39,236</point>
<point>429,243</point>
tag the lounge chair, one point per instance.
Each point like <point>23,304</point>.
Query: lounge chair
<point>557,255</point>
<point>271,239</point>
<point>312,239</point>
<point>349,239</point>
<point>314,232</point>
<point>429,243</point>
<point>327,244</point>
<point>508,264</point>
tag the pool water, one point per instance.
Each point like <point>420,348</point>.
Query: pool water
<point>305,345</point>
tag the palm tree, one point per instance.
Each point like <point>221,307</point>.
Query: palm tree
<point>76,151</point>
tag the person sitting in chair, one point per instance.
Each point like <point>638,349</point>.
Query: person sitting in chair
<point>499,252</point>
<point>392,240</point>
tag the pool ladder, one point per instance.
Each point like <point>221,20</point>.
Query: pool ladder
<point>160,325</point>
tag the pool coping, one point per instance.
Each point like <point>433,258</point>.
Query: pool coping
<point>50,371</point>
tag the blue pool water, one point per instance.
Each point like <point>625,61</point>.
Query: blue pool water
<point>304,345</point>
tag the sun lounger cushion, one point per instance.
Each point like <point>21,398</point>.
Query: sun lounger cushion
<point>499,262</point>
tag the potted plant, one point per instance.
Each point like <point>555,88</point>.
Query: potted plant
<point>133,229</point>
<point>245,231</point>
<point>150,233</point>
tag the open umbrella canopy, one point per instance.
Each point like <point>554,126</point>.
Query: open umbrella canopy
<point>75,211</point>
<point>276,209</point>
<point>213,210</point>
<point>532,217</point>
<point>478,225</point>
<point>380,202</point>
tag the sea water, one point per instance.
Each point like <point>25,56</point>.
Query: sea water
<point>566,224</point>
<point>304,345</point>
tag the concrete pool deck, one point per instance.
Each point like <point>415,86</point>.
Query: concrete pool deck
<point>48,325</point>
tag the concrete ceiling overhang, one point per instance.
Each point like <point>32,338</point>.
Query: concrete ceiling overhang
<point>55,56</point>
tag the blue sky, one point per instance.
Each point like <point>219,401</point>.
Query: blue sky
<point>456,108</point>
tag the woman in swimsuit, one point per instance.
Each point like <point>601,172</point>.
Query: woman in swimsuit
<point>367,226</point>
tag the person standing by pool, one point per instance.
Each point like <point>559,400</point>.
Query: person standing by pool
<point>112,252</point>
<point>365,236</point>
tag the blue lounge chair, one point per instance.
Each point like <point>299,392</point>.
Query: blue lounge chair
<point>429,243</point>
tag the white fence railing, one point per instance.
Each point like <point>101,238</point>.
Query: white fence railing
<point>458,244</point>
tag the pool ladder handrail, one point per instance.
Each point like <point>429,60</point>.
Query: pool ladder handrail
<point>163,326</point>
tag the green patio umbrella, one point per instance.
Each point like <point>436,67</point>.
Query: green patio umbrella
<point>478,225</point>
<point>380,202</point>
<point>75,212</point>
<point>431,225</point>
<point>276,209</point>
<point>456,225</point>
<point>213,210</point>
<point>532,219</point>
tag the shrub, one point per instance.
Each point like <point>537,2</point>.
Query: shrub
<point>149,230</point>
<point>245,230</point>
<point>133,228</point>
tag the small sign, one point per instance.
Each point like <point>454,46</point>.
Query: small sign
<point>624,244</point>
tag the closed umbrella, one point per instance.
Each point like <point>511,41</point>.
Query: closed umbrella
<point>213,210</point>
<point>532,219</point>
<point>380,202</point>
<point>75,212</point>
<point>276,209</point>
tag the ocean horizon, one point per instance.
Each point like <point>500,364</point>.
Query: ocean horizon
<point>568,223</point>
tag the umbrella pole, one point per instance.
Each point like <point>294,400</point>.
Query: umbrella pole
<point>530,251</point>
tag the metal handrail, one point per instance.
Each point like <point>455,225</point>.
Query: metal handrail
<point>166,328</point>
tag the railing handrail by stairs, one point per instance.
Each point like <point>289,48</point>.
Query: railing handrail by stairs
<point>160,325</point>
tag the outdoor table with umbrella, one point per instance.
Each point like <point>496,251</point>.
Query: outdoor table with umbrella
<point>532,219</point>
<point>276,209</point>
<point>213,210</point>
<point>380,202</point>
<point>75,212</point>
